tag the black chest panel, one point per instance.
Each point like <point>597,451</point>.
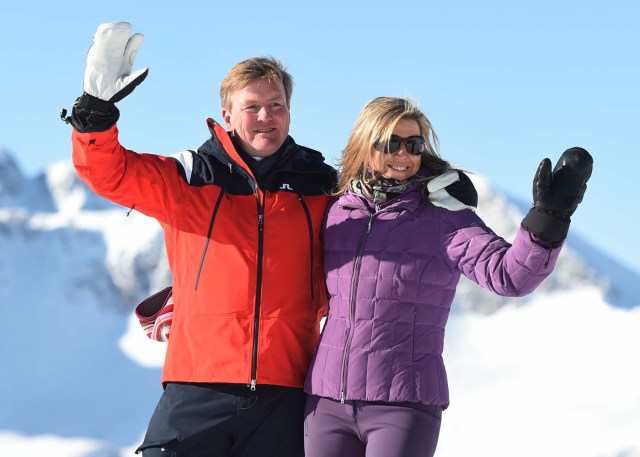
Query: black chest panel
<point>302,171</point>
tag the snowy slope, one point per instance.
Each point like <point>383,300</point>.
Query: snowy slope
<point>69,273</point>
<point>554,374</point>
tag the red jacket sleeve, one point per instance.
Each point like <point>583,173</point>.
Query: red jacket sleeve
<point>147,183</point>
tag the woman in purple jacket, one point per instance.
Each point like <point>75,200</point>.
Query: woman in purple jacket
<point>395,244</point>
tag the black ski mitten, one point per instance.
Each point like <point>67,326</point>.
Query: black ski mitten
<point>556,194</point>
<point>107,77</point>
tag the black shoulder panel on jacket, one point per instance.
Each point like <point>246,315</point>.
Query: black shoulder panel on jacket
<point>305,173</point>
<point>212,165</point>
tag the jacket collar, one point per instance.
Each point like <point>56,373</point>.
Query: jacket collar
<point>409,200</point>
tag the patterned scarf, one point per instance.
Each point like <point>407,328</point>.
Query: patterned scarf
<point>379,189</point>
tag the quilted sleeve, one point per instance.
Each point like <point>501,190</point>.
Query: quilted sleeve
<point>490,261</point>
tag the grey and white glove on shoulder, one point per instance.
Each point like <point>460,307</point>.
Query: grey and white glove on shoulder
<point>108,77</point>
<point>452,190</point>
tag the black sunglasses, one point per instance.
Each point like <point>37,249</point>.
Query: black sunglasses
<point>414,145</point>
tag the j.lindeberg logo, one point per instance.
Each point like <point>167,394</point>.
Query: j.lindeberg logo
<point>285,186</point>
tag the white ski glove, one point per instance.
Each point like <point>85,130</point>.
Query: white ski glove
<point>110,60</point>
<point>453,190</point>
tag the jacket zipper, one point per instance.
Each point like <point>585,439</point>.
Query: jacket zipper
<point>209,231</point>
<point>256,319</point>
<point>352,308</point>
<point>310,226</point>
<point>260,254</point>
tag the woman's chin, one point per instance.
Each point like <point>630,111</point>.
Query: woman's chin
<point>398,175</point>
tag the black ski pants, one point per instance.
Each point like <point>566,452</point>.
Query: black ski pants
<point>226,420</point>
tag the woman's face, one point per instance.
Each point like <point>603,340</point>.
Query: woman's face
<point>399,165</point>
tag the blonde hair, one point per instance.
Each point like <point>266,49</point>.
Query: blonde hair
<point>251,69</point>
<point>374,126</point>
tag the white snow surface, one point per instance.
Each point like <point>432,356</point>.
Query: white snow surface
<point>555,374</point>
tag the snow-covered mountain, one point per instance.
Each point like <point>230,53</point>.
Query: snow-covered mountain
<point>553,374</point>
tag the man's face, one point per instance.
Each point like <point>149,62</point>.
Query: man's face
<point>259,117</point>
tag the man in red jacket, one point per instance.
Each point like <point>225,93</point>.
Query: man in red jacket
<point>242,220</point>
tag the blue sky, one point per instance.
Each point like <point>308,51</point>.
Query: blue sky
<point>504,83</point>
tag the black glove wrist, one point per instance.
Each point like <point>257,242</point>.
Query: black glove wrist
<point>91,114</point>
<point>546,225</point>
<point>91,103</point>
<point>563,215</point>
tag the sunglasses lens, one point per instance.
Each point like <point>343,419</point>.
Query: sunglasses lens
<point>415,146</point>
<point>394,145</point>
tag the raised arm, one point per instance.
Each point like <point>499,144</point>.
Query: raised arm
<point>517,269</point>
<point>140,181</point>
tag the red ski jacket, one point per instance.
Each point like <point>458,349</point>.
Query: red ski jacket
<point>248,282</point>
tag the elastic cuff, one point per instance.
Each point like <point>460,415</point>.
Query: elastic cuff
<point>90,114</point>
<point>91,103</point>
<point>546,226</point>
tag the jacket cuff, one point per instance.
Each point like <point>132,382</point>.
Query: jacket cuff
<point>91,114</point>
<point>546,226</point>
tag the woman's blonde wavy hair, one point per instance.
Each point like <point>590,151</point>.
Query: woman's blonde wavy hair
<point>373,126</point>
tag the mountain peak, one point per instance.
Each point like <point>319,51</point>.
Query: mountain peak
<point>11,178</point>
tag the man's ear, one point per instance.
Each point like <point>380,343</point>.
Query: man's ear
<point>226,118</point>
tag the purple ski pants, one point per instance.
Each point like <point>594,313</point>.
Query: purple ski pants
<point>370,429</point>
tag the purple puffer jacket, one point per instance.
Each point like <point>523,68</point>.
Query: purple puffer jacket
<point>391,277</point>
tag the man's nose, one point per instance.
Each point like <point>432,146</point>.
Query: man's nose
<point>265,113</point>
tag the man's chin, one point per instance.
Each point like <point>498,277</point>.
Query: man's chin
<point>266,148</point>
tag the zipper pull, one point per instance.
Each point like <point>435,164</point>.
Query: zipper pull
<point>252,386</point>
<point>230,168</point>
<point>370,222</point>
<point>260,221</point>
<point>342,396</point>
